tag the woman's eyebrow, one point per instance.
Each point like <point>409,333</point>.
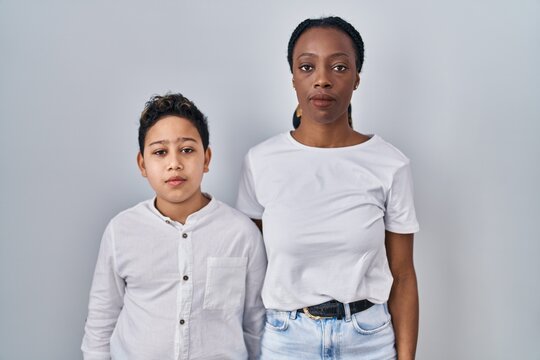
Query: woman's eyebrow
<point>305,54</point>
<point>337,54</point>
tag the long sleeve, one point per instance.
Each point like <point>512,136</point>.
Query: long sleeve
<point>254,311</point>
<point>106,302</point>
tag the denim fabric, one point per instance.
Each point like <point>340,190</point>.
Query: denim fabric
<point>367,335</point>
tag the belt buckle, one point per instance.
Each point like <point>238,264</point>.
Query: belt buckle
<point>314,317</point>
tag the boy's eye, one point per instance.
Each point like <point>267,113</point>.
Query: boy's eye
<point>340,68</point>
<point>160,152</point>
<point>305,67</point>
<point>186,150</point>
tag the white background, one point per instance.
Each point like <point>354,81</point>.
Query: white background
<point>453,84</point>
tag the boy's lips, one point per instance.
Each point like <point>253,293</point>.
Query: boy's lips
<point>175,180</point>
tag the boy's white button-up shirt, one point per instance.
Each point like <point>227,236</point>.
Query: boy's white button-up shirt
<point>163,290</point>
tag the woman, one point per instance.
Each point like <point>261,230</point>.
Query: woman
<point>337,214</point>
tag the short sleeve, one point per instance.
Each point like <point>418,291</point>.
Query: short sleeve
<point>400,215</point>
<point>247,201</point>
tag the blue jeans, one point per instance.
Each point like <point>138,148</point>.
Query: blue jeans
<point>367,335</point>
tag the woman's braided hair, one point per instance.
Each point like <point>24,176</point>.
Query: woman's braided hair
<point>328,22</point>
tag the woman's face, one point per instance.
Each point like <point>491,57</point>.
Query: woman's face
<point>324,74</point>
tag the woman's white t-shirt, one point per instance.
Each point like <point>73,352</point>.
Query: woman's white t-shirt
<point>324,213</point>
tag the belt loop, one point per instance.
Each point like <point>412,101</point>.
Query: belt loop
<point>347,312</point>
<point>292,315</point>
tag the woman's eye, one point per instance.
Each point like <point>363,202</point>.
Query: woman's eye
<point>340,68</point>
<point>159,152</point>
<point>186,150</point>
<point>305,67</point>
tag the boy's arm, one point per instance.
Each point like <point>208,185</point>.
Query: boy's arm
<point>254,312</point>
<point>106,302</point>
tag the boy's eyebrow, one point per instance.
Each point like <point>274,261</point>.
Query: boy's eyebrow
<point>180,139</point>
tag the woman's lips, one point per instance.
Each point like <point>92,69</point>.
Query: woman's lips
<point>322,100</point>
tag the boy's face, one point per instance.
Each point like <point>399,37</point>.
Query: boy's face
<point>174,161</point>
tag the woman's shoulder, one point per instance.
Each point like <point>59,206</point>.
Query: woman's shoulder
<point>271,145</point>
<point>385,149</point>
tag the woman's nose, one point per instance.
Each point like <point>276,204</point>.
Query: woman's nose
<point>322,79</point>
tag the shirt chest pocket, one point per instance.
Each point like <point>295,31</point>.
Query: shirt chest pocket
<point>225,282</point>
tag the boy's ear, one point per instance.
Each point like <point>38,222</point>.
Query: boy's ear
<point>140,163</point>
<point>207,157</point>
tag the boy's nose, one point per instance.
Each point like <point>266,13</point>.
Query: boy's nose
<point>175,164</point>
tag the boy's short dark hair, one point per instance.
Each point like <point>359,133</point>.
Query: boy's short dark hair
<point>176,105</point>
<point>328,22</point>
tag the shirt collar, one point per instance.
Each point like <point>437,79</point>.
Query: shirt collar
<point>192,217</point>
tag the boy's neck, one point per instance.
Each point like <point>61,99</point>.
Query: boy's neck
<point>180,211</point>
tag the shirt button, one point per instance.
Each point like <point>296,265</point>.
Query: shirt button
<point>186,278</point>
<point>168,221</point>
<point>184,235</point>
<point>182,322</point>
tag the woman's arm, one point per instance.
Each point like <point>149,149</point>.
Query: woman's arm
<point>258,222</point>
<point>403,302</point>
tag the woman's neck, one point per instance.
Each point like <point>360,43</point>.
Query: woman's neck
<point>330,135</point>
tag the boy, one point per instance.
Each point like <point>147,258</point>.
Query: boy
<point>178,276</point>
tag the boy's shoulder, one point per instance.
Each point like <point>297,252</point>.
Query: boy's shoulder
<point>137,214</point>
<point>219,215</point>
<point>234,217</point>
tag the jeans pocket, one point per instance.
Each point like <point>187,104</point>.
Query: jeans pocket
<point>277,320</point>
<point>225,283</point>
<point>372,320</point>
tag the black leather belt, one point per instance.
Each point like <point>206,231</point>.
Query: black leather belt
<point>334,309</point>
